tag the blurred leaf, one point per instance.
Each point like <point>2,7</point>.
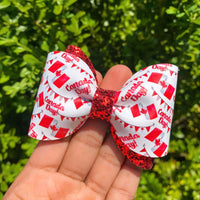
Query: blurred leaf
<point>45,46</point>
<point>57,9</point>
<point>29,58</point>
<point>68,3</point>
<point>171,10</point>
<point>197,21</point>
<point>4,4</point>
<point>4,186</point>
<point>7,41</point>
<point>74,27</point>
<point>3,78</point>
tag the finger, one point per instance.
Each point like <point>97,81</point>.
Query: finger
<point>105,168</point>
<point>99,77</point>
<point>85,144</point>
<point>110,159</point>
<point>49,154</point>
<point>116,77</point>
<point>126,183</point>
<point>83,149</point>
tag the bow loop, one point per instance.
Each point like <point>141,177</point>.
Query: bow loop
<point>147,103</point>
<point>67,82</point>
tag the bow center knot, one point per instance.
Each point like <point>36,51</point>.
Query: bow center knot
<point>102,104</point>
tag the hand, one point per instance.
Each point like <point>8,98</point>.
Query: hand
<point>84,166</point>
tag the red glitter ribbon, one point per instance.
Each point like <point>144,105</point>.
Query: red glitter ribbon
<point>102,105</point>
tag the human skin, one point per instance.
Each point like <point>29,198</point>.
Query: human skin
<point>84,166</point>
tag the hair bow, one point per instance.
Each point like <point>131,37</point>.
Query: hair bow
<point>140,113</point>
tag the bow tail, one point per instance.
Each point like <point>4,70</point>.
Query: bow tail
<point>139,160</point>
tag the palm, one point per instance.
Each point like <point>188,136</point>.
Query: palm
<point>85,166</point>
<point>47,185</point>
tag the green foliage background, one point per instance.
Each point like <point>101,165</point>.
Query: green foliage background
<point>136,33</point>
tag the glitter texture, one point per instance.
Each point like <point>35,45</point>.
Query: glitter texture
<point>79,53</point>
<point>139,160</point>
<point>102,104</point>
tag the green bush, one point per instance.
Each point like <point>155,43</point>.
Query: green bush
<point>137,33</point>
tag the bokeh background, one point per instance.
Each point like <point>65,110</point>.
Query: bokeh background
<point>137,33</point>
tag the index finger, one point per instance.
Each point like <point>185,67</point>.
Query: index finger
<point>126,182</point>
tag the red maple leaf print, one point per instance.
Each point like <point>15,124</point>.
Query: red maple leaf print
<point>143,111</point>
<point>53,128</point>
<point>163,84</point>
<point>157,142</point>
<point>58,73</point>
